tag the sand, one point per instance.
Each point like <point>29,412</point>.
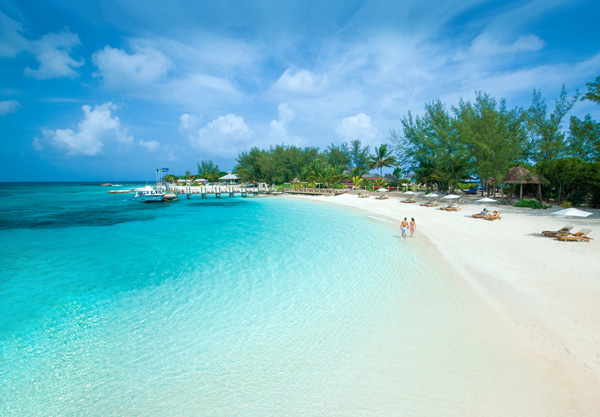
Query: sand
<point>543,294</point>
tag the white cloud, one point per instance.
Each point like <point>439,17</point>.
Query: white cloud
<point>52,51</point>
<point>145,72</point>
<point>8,106</point>
<point>53,54</point>
<point>278,129</point>
<point>301,82</point>
<point>224,136</point>
<point>150,146</point>
<point>487,45</point>
<point>97,127</point>
<point>190,88</point>
<point>11,41</point>
<point>358,126</point>
<point>119,69</point>
<point>37,144</point>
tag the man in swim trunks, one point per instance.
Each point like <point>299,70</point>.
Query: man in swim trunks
<point>404,227</point>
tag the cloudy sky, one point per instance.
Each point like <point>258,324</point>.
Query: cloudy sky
<point>111,90</point>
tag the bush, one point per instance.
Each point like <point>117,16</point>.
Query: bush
<point>534,204</point>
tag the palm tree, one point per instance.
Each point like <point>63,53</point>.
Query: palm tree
<point>380,182</point>
<point>357,181</point>
<point>397,172</point>
<point>382,158</point>
<point>335,174</point>
<point>314,171</point>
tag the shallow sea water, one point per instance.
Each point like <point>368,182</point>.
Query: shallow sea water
<point>233,306</point>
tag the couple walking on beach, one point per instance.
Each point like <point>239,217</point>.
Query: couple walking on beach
<point>405,225</point>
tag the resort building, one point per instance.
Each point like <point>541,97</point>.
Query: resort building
<point>229,178</point>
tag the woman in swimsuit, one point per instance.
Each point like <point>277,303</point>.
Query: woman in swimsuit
<point>413,226</point>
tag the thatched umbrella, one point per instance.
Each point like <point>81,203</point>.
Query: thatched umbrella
<point>520,175</point>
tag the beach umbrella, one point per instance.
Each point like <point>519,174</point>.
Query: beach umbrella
<point>409,192</point>
<point>486,200</point>
<point>432,195</point>
<point>572,212</point>
<point>451,197</point>
<point>382,190</point>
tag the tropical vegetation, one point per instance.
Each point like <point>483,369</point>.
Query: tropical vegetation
<point>444,147</point>
<point>483,139</point>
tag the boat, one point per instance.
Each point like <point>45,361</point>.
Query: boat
<point>171,197</point>
<point>149,194</point>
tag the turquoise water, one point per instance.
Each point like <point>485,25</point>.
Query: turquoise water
<point>108,303</point>
<point>233,306</point>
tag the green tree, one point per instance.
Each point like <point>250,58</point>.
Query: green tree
<point>593,92</point>
<point>584,139</point>
<point>493,134</point>
<point>546,136</point>
<point>357,181</point>
<point>359,156</point>
<point>314,172</point>
<point>380,182</point>
<point>584,135</point>
<point>335,174</point>
<point>431,147</point>
<point>564,176</point>
<point>382,158</point>
<point>208,170</point>
<point>248,168</point>
<point>338,155</point>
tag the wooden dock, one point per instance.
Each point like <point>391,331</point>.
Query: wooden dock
<point>217,190</point>
<point>313,191</point>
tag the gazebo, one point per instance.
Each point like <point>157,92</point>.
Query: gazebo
<point>520,175</point>
<point>229,178</point>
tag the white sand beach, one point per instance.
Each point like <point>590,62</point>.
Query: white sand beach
<point>540,295</point>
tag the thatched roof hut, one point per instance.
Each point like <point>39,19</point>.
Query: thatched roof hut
<point>520,175</point>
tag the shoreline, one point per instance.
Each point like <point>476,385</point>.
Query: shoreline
<point>542,294</point>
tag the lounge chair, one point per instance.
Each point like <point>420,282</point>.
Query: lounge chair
<point>451,207</point>
<point>576,237</point>
<point>430,204</point>
<point>479,215</point>
<point>409,200</point>
<point>493,216</point>
<point>553,233</point>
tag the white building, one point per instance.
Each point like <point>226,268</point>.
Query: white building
<point>229,178</point>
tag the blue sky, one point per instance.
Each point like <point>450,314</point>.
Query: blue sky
<point>110,90</point>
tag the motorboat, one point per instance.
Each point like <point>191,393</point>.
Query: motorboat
<point>149,194</point>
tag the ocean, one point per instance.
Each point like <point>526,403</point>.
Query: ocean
<point>234,306</point>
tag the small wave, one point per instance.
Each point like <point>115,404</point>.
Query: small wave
<point>381,219</point>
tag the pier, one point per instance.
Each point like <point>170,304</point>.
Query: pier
<point>313,191</point>
<point>218,190</point>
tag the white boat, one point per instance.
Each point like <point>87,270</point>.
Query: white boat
<point>149,194</point>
